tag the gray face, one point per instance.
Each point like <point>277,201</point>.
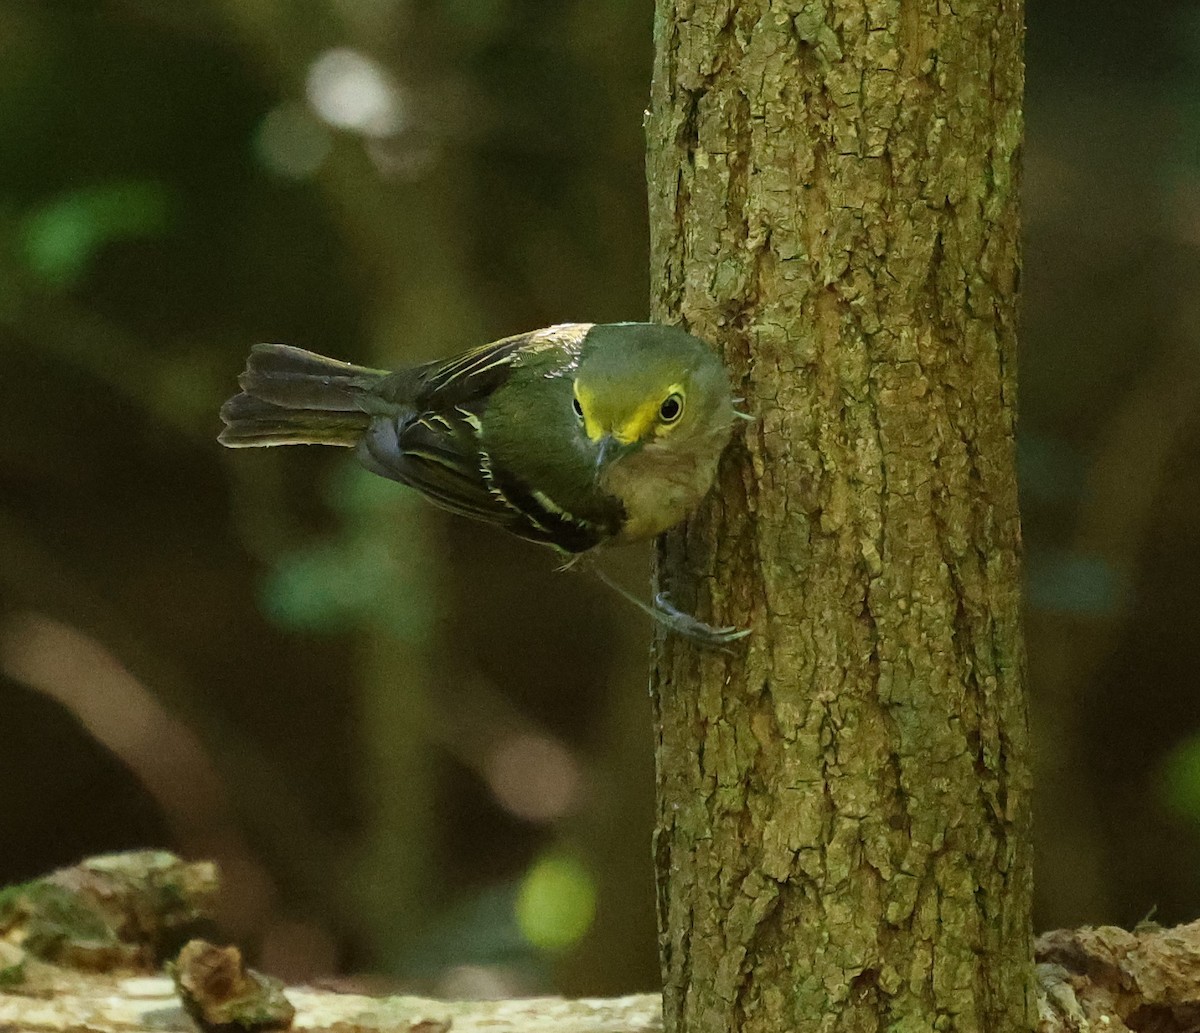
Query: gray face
<point>642,384</point>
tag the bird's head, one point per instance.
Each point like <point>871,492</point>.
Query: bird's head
<point>643,385</point>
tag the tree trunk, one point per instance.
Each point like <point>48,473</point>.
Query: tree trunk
<point>843,830</point>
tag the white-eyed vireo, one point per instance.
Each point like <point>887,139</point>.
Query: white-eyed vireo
<point>572,436</point>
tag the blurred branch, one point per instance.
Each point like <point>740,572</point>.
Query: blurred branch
<point>31,573</point>
<point>180,17</point>
<point>1129,467</point>
<point>408,238</point>
<point>1114,522</point>
<point>116,358</point>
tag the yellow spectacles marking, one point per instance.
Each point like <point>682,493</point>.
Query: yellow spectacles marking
<point>591,426</point>
<point>640,422</point>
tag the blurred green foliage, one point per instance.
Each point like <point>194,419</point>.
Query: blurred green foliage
<point>168,195</point>
<point>61,237</point>
<point>1181,779</point>
<point>1061,582</point>
<point>557,902</point>
<point>361,576</point>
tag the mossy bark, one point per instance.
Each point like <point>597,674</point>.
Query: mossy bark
<point>843,831</point>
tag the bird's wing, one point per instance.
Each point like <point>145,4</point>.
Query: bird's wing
<point>439,455</point>
<point>472,377</point>
<point>435,444</point>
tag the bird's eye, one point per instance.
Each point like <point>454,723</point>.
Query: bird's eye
<point>671,409</point>
<point>578,407</point>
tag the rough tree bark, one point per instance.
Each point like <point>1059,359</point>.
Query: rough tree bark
<point>843,830</point>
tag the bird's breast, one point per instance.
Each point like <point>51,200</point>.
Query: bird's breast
<point>658,488</point>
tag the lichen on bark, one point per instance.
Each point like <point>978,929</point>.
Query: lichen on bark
<point>843,832</point>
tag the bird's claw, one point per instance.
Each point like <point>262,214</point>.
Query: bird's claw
<point>668,615</point>
<point>691,627</point>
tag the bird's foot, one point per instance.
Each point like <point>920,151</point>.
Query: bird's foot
<point>662,611</point>
<point>674,619</point>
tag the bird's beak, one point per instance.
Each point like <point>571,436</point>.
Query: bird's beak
<point>609,448</point>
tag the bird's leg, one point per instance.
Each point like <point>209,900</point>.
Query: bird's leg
<point>664,613</point>
<point>673,618</point>
<point>742,415</point>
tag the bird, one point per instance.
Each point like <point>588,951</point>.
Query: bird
<point>577,436</point>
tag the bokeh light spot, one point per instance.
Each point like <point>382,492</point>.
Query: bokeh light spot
<point>534,777</point>
<point>556,902</point>
<point>477,983</point>
<point>351,91</point>
<point>291,143</point>
<point>1180,780</point>
<point>1063,582</point>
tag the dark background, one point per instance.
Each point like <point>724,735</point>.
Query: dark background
<point>416,749</point>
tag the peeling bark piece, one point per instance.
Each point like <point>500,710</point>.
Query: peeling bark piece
<point>221,993</point>
<point>117,912</point>
<point>1147,980</point>
<point>12,966</point>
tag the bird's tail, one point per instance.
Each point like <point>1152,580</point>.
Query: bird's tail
<point>296,397</point>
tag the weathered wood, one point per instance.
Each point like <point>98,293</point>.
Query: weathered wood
<point>80,949</point>
<point>1113,980</point>
<point>1104,980</point>
<point>843,830</point>
<point>149,1005</point>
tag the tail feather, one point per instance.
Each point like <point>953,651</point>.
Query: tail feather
<point>296,397</point>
